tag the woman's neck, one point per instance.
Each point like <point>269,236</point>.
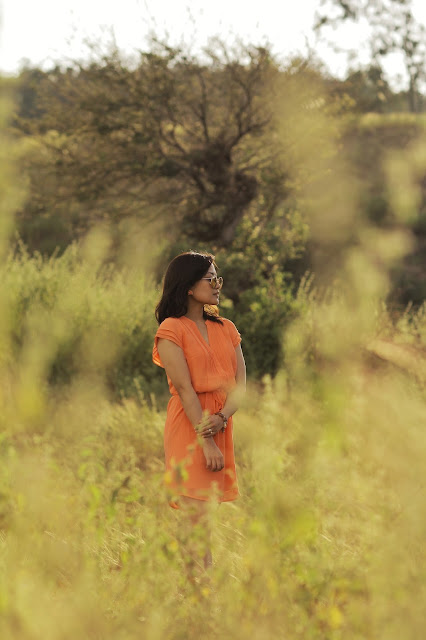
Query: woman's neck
<point>195,311</point>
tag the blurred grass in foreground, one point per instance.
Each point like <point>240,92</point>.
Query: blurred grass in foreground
<point>327,540</point>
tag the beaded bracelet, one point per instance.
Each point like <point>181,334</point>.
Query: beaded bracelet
<point>224,418</point>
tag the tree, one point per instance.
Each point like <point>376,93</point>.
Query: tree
<point>394,29</point>
<point>172,133</point>
<point>367,89</point>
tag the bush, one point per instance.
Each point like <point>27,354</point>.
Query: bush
<point>83,317</point>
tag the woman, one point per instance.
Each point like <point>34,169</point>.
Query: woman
<point>205,368</point>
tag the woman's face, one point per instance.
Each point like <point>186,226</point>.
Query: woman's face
<point>202,291</point>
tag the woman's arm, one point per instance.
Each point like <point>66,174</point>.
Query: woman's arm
<point>176,367</point>
<point>234,399</point>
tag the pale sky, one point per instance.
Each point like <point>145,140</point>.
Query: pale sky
<point>47,31</point>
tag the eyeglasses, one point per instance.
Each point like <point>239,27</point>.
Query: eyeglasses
<point>214,281</point>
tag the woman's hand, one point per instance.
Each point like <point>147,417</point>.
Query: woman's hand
<point>213,455</point>
<point>209,426</point>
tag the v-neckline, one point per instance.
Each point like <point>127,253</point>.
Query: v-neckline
<point>206,342</point>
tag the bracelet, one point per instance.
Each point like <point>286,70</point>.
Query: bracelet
<point>224,418</point>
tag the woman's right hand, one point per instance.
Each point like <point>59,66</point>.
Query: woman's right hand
<point>213,455</point>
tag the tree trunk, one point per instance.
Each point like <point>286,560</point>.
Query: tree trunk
<point>412,95</point>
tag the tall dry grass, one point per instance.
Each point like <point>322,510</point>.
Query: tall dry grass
<point>327,539</point>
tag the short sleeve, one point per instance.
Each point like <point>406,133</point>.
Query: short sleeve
<point>169,329</point>
<point>233,332</point>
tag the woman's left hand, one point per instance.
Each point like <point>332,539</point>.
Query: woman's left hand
<point>210,426</point>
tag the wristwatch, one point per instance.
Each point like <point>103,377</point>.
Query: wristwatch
<point>224,418</point>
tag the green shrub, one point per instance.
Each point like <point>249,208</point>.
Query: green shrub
<point>85,316</point>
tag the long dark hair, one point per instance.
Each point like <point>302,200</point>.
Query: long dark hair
<point>182,273</point>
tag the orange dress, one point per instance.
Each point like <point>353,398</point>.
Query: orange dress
<point>212,367</point>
